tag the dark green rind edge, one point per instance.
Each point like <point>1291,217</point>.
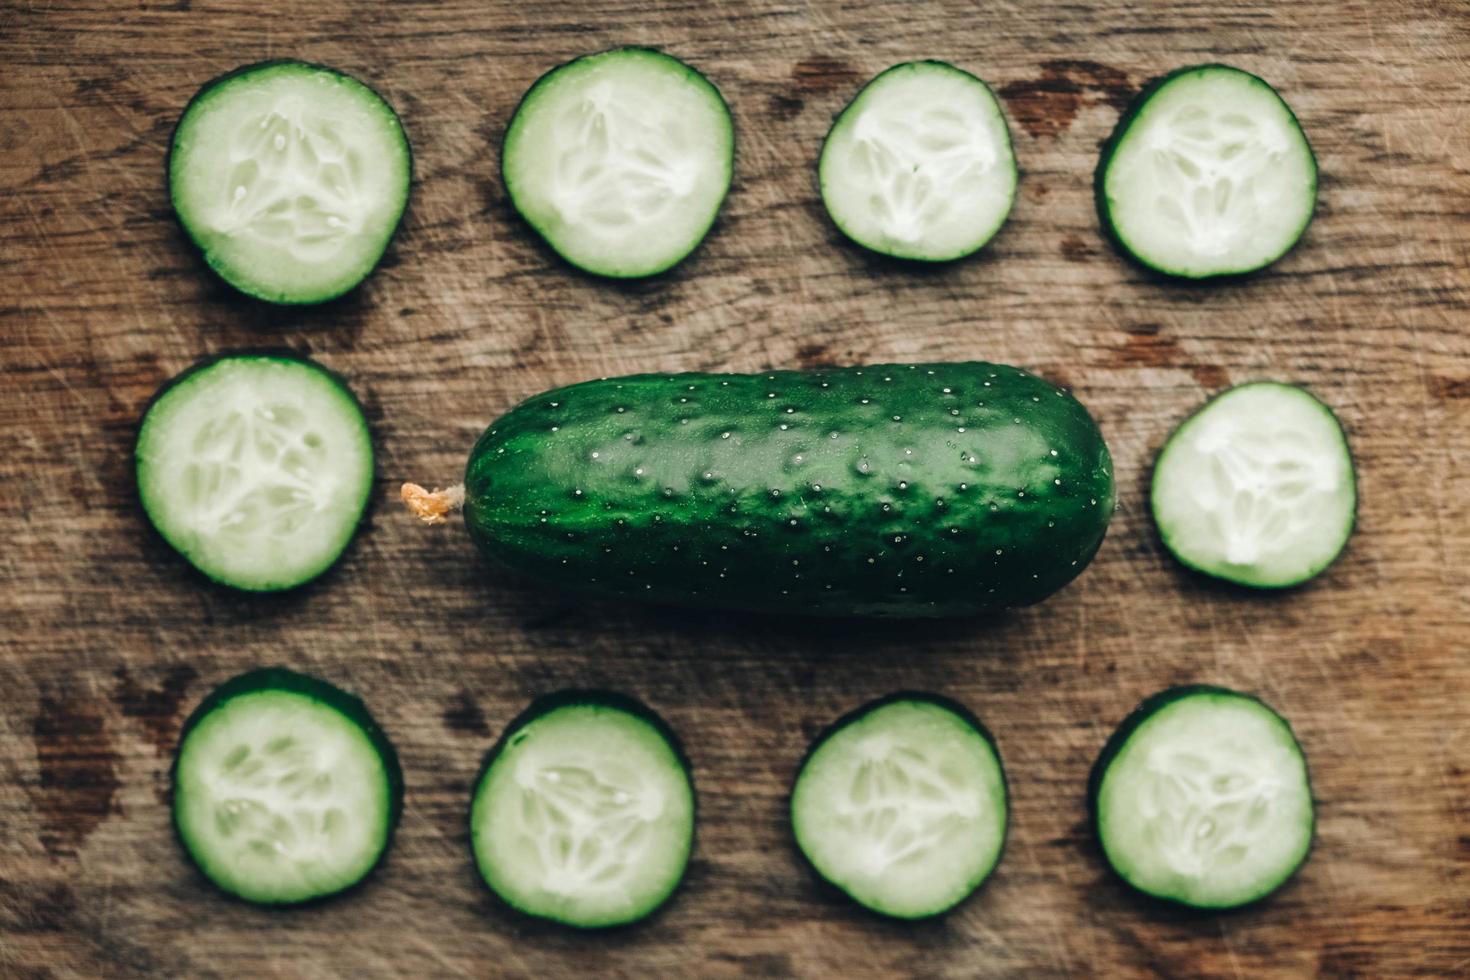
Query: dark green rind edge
<point>545,76</point>
<point>1124,732</point>
<point>261,353</point>
<point>348,705</point>
<point>1214,573</point>
<point>1125,122</point>
<point>1005,124</point>
<point>597,698</point>
<point>204,92</point>
<point>924,697</point>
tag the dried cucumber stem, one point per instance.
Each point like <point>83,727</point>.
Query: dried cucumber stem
<point>432,507</point>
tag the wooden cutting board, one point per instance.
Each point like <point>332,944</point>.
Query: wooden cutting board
<point>108,639</point>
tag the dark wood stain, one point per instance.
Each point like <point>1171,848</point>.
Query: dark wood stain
<point>157,709</point>
<point>822,76</point>
<point>1441,386</point>
<point>1047,104</point>
<point>786,107</point>
<point>45,907</point>
<point>761,964</point>
<point>1074,249</point>
<point>1147,345</point>
<point>77,770</point>
<point>464,716</point>
<point>814,355</point>
<point>1211,377</point>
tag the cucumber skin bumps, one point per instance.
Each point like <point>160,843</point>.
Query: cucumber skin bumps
<point>888,490</point>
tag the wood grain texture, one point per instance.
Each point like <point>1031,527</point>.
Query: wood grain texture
<point>108,638</point>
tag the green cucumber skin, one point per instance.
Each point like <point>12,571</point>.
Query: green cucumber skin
<point>1110,145</point>
<point>284,679</point>
<point>595,697</point>
<point>208,89</point>
<point>1145,710</point>
<point>926,514</point>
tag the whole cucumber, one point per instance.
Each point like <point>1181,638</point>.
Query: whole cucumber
<point>886,490</point>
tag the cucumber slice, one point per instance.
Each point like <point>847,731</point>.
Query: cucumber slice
<point>584,813</point>
<point>256,468</point>
<point>285,789</point>
<point>1201,797</point>
<point>620,160</point>
<point>291,179</point>
<point>1207,174</point>
<point>919,165</point>
<point>902,805</point>
<point>1257,487</point>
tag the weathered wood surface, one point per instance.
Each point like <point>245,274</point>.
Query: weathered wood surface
<point>108,639</point>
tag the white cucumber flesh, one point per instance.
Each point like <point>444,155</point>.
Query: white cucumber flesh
<point>291,178</point>
<point>256,468</point>
<point>1208,174</point>
<point>620,160</point>
<point>585,816</point>
<point>919,165</point>
<point>1257,487</point>
<point>280,797</point>
<point>903,807</point>
<point>1206,802</point>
